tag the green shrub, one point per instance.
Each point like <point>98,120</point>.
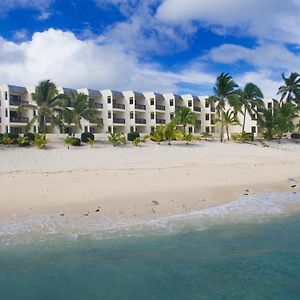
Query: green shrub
<point>40,141</point>
<point>1,137</point>
<point>247,137</point>
<point>131,136</point>
<point>76,142</point>
<point>29,136</point>
<point>23,141</point>
<point>136,141</point>
<point>236,137</point>
<point>295,136</point>
<point>87,135</point>
<point>13,136</point>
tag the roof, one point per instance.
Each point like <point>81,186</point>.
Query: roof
<point>17,89</point>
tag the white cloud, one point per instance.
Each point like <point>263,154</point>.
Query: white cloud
<point>275,20</point>
<point>266,56</point>
<point>71,62</point>
<point>20,35</point>
<point>8,5</point>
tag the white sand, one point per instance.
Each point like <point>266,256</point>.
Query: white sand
<point>137,183</point>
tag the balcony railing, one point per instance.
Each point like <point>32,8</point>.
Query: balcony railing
<point>160,121</point>
<point>49,120</point>
<point>178,107</point>
<point>198,109</point>
<point>140,121</point>
<point>17,102</point>
<point>19,119</point>
<point>118,105</point>
<point>99,105</point>
<point>212,109</point>
<point>140,106</point>
<point>160,107</point>
<point>118,121</point>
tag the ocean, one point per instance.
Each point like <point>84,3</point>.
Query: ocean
<point>246,250</point>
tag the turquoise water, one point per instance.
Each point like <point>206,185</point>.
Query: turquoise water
<point>237,261</point>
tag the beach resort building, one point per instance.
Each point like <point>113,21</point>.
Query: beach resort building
<point>123,111</point>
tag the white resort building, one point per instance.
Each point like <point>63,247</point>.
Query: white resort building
<point>124,111</point>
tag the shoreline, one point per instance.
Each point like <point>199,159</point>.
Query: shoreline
<point>135,186</point>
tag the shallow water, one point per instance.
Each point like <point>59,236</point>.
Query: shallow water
<point>254,259</point>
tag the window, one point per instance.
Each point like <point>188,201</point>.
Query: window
<point>207,117</point>
<point>131,100</point>
<point>86,129</point>
<point>190,129</point>
<point>269,105</point>
<point>190,103</point>
<point>109,115</point>
<point>171,116</point>
<point>34,113</point>
<point>6,113</point>
<point>6,128</point>
<point>253,129</point>
<point>212,120</point>
<point>171,102</point>
<point>152,101</point>
<point>206,104</point>
<point>108,99</point>
<point>207,129</point>
<point>152,116</point>
<point>152,128</point>
<point>254,116</point>
<point>6,96</point>
<point>131,129</point>
<point>131,115</point>
<point>109,129</point>
<point>92,129</point>
<point>34,129</point>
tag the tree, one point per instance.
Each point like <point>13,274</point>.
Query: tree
<point>84,108</point>
<point>225,90</point>
<point>116,138</point>
<point>251,99</point>
<point>230,118</point>
<point>184,116</point>
<point>48,102</point>
<point>290,90</point>
<point>157,135</point>
<point>170,132</point>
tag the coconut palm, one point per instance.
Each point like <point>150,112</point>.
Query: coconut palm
<point>48,102</point>
<point>170,132</point>
<point>184,116</point>
<point>251,99</point>
<point>84,108</point>
<point>157,135</point>
<point>290,90</point>
<point>230,118</point>
<point>225,90</point>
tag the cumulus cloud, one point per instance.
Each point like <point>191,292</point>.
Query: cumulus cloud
<point>268,19</point>
<point>68,61</point>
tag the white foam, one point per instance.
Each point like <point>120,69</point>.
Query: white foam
<point>246,209</point>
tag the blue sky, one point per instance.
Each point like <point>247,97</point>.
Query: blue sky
<point>162,45</point>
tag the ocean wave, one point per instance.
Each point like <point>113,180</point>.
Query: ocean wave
<point>250,208</point>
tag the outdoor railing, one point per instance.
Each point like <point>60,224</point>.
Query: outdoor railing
<point>118,121</point>
<point>119,105</point>
<point>140,106</point>
<point>160,121</point>
<point>160,107</point>
<point>140,121</point>
<point>17,103</point>
<point>49,120</point>
<point>99,105</point>
<point>178,107</point>
<point>19,119</point>
<point>198,109</point>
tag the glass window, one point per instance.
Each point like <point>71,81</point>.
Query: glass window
<point>152,101</point>
<point>152,116</point>
<point>190,103</point>
<point>108,99</point>
<point>171,102</point>
<point>131,115</point>
<point>207,117</point>
<point>109,115</point>
<point>131,100</point>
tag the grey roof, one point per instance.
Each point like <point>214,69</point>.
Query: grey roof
<point>69,91</point>
<point>138,94</point>
<point>17,89</point>
<point>94,93</point>
<point>177,97</point>
<point>117,94</point>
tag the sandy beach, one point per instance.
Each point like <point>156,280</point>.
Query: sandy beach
<point>140,183</point>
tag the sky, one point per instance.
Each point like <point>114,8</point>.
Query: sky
<point>177,46</point>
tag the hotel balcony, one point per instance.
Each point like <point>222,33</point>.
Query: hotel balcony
<point>140,106</point>
<point>160,121</point>
<point>14,102</point>
<point>118,105</point>
<point>19,119</point>
<point>177,107</point>
<point>49,120</point>
<point>197,109</point>
<point>160,107</point>
<point>118,121</point>
<point>140,121</point>
<point>99,105</point>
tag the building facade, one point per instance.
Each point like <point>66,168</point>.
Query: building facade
<point>123,111</point>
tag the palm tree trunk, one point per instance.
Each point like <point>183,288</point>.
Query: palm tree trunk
<point>222,126</point>
<point>244,120</point>
<point>227,131</point>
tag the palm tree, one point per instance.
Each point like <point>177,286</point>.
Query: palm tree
<point>170,132</point>
<point>230,118</point>
<point>225,90</point>
<point>251,99</point>
<point>184,116</point>
<point>84,108</point>
<point>48,102</point>
<point>290,90</point>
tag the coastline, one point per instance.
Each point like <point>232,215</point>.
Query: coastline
<point>141,183</point>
